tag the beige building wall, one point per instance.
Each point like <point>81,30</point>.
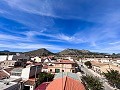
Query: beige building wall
<point>62,67</point>
<point>7,63</point>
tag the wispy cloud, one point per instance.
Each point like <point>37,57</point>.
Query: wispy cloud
<point>9,37</point>
<point>72,39</point>
<point>30,46</point>
<point>48,22</point>
<point>114,43</point>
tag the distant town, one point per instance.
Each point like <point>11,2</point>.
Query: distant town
<point>70,69</point>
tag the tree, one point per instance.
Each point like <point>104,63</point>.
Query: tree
<point>93,83</point>
<point>88,64</point>
<point>113,77</point>
<point>44,77</point>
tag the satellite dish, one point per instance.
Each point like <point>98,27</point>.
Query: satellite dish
<point>18,54</point>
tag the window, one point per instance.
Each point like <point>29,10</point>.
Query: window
<point>50,70</point>
<point>57,70</point>
<point>16,74</point>
<point>62,70</point>
<point>73,71</point>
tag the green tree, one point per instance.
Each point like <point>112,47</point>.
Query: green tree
<point>113,77</point>
<point>88,64</point>
<point>93,83</point>
<point>44,77</point>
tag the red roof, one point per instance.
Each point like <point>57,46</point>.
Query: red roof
<point>42,86</point>
<point>66,83</point>
<point>65,62</point>
<point>45,67</point>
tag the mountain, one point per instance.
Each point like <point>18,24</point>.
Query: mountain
<point>73,52</point>
<point>6,52</point>
<point>39,52</point>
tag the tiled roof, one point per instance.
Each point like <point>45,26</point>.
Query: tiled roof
<point>45,67</point>
<point>42,86</point>
<point>65,83</point>
<point>65,61</point>
<point>30,82</point>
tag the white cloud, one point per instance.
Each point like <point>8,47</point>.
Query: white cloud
<point>9,37</point>
<point>29,46</point>
<point>114,43</point>
<point>72,39</point>
<point>35,7</point>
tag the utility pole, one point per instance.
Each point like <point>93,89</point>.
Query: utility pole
<point>109,63</point>
<point>36,75</point>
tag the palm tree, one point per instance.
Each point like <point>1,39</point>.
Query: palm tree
<point>93,83</point>
<point>113,77</point>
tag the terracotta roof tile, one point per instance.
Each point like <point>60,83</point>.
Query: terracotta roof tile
<point>66,83</point>
<point>66,62</point>
<point>42,86</point>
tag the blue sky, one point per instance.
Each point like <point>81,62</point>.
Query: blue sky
<point>59,24</point>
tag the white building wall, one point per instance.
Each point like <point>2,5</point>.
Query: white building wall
<point>10,57</point>
<point>37,59</point>
<point>25,73</point>
<point>31,87</point>
<point>4,57</point>
<point>44,70</point>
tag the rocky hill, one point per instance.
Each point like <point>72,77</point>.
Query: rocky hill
<point>39,52</point>
<point>73,52</point>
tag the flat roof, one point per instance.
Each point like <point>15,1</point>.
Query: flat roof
<point>4,86</point>
<point>68,74</point>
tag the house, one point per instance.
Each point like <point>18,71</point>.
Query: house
<point>26,73</point>
<point>62,66</point>
<point>19,56</point>
<point>30,71</point>
<point>5,57</point>
<point>45,68</point>
<point>12,63</point>
<point>36,59</point>
<point>7,64</point>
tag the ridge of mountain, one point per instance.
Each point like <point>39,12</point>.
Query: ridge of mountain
<point>39,52</point>
<point>45,52</point>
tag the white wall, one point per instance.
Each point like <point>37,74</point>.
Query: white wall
<point>25,73</point>
<point>3,57</point>
<point>31,87</point>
